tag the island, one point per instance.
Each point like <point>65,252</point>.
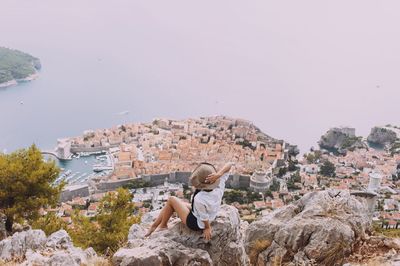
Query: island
<point>17,66</point>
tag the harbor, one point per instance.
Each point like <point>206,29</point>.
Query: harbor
<point>82,167</point>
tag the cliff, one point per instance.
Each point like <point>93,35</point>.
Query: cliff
<point>32,247</point>
<point>17,66</point>
<point>340,140</point>
<point>181,246</point>
<point>322,228</point>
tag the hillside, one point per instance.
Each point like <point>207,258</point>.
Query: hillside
<point>16,66</point>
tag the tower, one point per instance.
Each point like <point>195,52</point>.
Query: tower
<point>374,181</point>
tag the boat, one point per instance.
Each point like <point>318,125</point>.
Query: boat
<point>124,112</point>
<point>100,167</point>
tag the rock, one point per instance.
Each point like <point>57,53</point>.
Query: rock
<point>16,246</point>
<point>161,252</point>
<point>33,248</point>
<point>341,139</point>
<point>136,232</point>
<point>59,239</point>
<point>383,135</point>
<point>34,258</point>
<point>149,217</point>
<point>61,258</point>
<point>3,231</point>
<point>392,243</point>
<point>321,226</point>
<point>90,253</point>
<point>16,227</point>
<point>182,246</point>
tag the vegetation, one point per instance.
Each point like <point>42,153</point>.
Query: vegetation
<point>275,185</point>
<point>137,183</point>
<point>327,169</point>
<point>26,185</point>
<point>241,196</point>
<point>395,148</point>
<point>294,178</point>
<point>282,171</point>
<point>313,157</point>
<point>293,166</point>
<point>350,141</point>
<point>108,230</point>
<point>379,230</point>
<point>16,65</point>
<point>49,223</point>
<point>257,247</point>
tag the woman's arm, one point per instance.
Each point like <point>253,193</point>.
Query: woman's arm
<point>213,177</point>
<point>207,230</point>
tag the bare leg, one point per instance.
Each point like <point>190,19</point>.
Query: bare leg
<point>157,221</point>
<point>175,204</point>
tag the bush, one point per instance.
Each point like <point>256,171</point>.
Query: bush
<point>49,223</point>
<point>327,169</point>
<point>108,230</point>
<point>26,185</point>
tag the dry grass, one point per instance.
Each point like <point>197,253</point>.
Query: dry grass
<point>334,254</point>
<point>9,263</point>
<point>98,262</point>
<point>277,261</point>
<point>256,248</point>
<point>373,262</point>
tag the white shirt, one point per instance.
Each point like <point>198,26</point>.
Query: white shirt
<point>206,204</point>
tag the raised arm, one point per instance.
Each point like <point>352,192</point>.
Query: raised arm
<point>213,177</point>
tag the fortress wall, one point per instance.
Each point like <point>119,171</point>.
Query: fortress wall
<point>234,181</point>
<point>75,149</point>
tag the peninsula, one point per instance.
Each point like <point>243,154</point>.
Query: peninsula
<point>17,66</point>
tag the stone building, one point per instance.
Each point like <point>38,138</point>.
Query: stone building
<point>260,181</point>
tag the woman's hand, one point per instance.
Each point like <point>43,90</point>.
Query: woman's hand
<point>211,178</point>
<point>207,233</point>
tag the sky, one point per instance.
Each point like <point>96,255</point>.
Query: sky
<point>294,68</point>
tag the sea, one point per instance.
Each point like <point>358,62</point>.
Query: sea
<point>295,70</point>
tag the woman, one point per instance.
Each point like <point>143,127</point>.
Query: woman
<point>206,201</point>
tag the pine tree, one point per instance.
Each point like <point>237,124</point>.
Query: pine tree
<point>26,185</point>
<point>49,223</point>
<point>108,230</point>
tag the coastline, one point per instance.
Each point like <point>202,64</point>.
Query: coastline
<point>14,82</point>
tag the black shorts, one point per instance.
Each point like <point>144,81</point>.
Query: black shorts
<point>191,222</point>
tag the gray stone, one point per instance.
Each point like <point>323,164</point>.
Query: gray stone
<point>320,227</point>
<point>36,249</point>
<point>182,246</point>
<point>15,246</point>
<point>61,258</point>
<point>34,259</point>
<point>59,239</point>
<point>383,135</point>
<point>341,139</point>
<point>136,232</point>
<point>90,253</point>
<point>149,217</point>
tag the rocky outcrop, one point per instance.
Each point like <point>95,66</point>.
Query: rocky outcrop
<point>375,250</point>
<point>181,246</point>
<point>341,139</point>
<point>32,247</point>
<point>319,228</point>
<point>383,135</point>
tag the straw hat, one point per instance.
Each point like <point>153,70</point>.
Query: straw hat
<point>199,174</point>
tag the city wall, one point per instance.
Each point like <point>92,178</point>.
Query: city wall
<point>75,149</point>
<point>234,181</point>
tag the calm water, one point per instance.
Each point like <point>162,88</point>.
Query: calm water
<point>294,69</point>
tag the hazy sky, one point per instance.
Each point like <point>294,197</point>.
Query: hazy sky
<point>295,68</point>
